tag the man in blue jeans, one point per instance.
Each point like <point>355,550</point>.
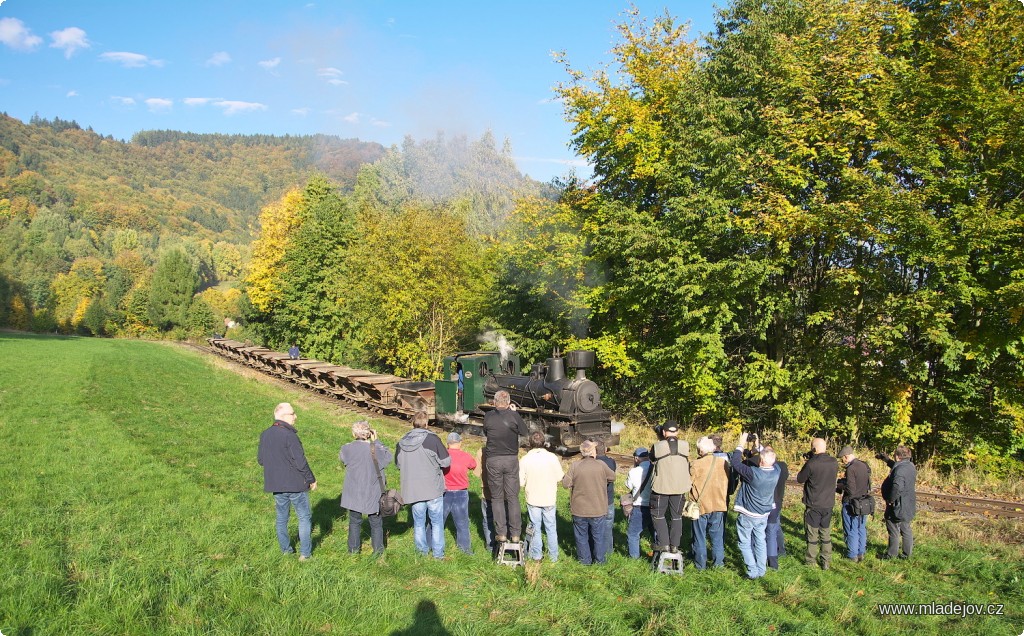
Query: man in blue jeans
<point>420,457</point>
<point>639,483</point>
<point>286,473</point>
<point>754,502</point>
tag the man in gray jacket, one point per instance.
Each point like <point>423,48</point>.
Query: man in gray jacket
<point>900,502</point>
<point>286,473</point>
<point>421,456</point>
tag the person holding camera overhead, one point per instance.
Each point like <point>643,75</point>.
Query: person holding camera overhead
<point>819,475</point>
<point>755,501</point>
<point>360,494</point>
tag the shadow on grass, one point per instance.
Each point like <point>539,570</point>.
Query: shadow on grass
<point>325,513</point>
<point>425,620</point>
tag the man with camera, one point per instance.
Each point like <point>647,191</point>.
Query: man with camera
<point>360,494</point>
<point>856,490</point>
<point>755,501</point>
<point>819,475</point>
<point>900,502</point>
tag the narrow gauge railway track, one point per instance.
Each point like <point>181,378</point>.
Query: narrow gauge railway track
<point>939,502</point>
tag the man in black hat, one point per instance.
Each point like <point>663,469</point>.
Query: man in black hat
<point>671,482</point>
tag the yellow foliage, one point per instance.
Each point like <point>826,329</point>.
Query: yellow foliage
<point>277,222</point>
<point>83,305</point>
<point>20,317</point>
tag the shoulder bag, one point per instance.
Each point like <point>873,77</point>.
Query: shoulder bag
<point>390,500</point>
<point>691,508</point>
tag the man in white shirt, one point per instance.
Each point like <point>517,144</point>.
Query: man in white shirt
<point>540,471</point>
<point>639,483</point>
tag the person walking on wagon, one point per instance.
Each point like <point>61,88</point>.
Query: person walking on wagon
<point>360,494</point>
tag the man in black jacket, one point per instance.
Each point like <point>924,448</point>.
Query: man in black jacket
<point>856,487</point>
<point>503,428</point>
<point>900,502</point>
<point>819,476</point>
<point>286,473</point>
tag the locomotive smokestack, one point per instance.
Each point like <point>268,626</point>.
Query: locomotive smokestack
<point>556,368</point>
<point>581,374</point>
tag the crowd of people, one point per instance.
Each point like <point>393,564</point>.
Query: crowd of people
<point>669,490</point>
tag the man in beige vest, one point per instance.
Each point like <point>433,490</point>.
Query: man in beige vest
<point>670,483</point>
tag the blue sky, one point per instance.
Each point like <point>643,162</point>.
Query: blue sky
<point>376,71</point>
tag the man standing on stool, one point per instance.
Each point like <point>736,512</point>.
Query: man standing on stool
<point>819,476</point>
<point>503,428</point>
<point>286,473</point>
<point>900,502</point>
<point>670,484</point>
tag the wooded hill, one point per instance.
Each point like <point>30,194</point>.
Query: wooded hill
<point>204,186</point>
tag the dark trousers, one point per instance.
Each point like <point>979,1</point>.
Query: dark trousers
<point>355,531</point>
<point>818,524</point>
<point>590,540</point>
<point>896,530</point>
<point>667,516</point>
<point>503,481</point>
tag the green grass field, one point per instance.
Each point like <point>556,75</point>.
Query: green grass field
<point>134,505</point>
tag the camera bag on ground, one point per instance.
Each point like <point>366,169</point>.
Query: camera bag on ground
<point>390,500</point>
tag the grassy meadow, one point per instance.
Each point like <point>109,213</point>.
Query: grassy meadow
<point>134,505</point>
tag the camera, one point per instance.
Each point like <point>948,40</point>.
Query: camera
<point>809,454</point>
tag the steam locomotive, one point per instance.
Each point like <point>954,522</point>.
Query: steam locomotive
<point>566,409</point>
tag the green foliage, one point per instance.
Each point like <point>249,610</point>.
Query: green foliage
<point>812,220</point>
<point>174,282</point>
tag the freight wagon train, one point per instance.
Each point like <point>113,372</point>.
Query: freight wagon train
<point>566,409</point>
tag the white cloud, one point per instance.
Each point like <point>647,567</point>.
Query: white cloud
<point>70,39</point>
<point>233,107</point>
<point>379,123</point>
<point>219,58</point>
<point>72,94</point>
<point>352,118</point>
<point>328,71</point>
<point>199,101</point>
<point>14,34</point>
<point>301,111</point>
<point>159,104</point>
<point>270,64</point>
<point>130,60</point>
<point>549,100</point>
<point>123,101</point>
<point>337,82</point>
